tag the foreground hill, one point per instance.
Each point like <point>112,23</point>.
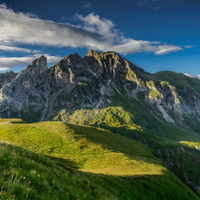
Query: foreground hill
<point>54,160</point>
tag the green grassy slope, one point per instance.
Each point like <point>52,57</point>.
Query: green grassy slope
<point>137,120</point>
<point>80,162</point>
<point>178,79</point>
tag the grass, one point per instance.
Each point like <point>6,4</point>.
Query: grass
<point>108,117</point>
<point>147,127</point>
<point>55,160</point>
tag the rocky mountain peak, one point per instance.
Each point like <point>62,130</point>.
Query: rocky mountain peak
<point>109,65</point>
<point>73,59</point>
<point>92,53</point>
<point>73,62</point>
<point>70,70</point>
<point>6,78</point>
<point>39,65</point>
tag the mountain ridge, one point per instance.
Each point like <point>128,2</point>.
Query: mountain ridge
<point>161,110</point>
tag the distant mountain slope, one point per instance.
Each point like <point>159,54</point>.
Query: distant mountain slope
<point>38,93</point>
<point>80,162</point>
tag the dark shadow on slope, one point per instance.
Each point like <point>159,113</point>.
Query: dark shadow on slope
<point>181,160</point>
<point>118,144</point>
<point>18,122</point>
<point>113,142</point>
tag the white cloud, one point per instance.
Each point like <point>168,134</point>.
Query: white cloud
<point>128,45</point>
<point>17,49</point>
<point>189,46</point>
<point>6,63</point>
<point>189,75</point>
<point>94,23</point>
<point>5,69</point>
<point>94,32</point>
<point>21,28</point>
<point>198,76</point>
<point>164,49</point>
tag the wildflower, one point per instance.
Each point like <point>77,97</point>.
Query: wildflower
<point>27,188</point>
<point>34,172</point>
<point>24,177</point>
<point>38,175</point>
<point>53,181</point>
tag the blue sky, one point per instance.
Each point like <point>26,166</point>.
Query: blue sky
<point>153,34</point>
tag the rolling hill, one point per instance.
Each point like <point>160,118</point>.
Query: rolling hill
<point>56,160</point>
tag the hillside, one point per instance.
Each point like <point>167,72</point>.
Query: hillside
<point>99,94</point>
<point>55,160</point>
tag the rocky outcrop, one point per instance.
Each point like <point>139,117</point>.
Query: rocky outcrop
<point>38,66</point>
<point>109,66</point>
<point>70,70</point>
<point>6,78</point>
<point>92,82</point>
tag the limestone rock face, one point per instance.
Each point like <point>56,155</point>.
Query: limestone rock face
<point>38,66</point>
<point>6,78</point>
<point>38,93</point>
<point>70,70</point>
<point>109,66</point>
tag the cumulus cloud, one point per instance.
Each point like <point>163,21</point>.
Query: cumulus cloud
<point>6,63</point>
<point>94,32</point>
<point>98,25</point>
<point>25,29</point>
<point>120,44</point>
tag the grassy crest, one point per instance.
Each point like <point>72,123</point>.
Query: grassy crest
<point>54,160</point>
<point>145,125</point>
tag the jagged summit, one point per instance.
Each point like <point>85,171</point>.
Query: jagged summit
<point>92,80</point>
<point>92,53</point>
<point>38,65</point>
<point>114,59</point>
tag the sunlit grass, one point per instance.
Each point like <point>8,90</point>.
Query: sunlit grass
<point>89,148</point>
<point>80,162</point>
<point>195,145</point>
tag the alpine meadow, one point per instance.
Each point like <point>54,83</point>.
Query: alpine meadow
<point>95,125</point>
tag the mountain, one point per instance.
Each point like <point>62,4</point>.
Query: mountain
<point>105,90</point>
